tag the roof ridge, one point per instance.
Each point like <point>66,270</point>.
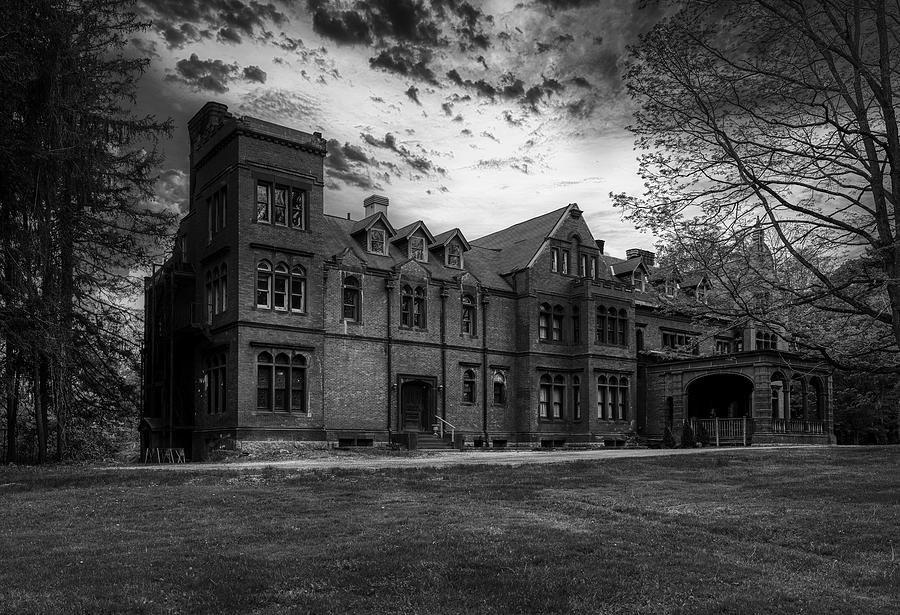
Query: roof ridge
<point>508,228</point>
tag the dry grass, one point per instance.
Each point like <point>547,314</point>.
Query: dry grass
<point>743,532</point>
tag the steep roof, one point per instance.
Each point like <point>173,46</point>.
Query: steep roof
<point>514,247</point>
<point>628,266</point>
<point>409,229</point>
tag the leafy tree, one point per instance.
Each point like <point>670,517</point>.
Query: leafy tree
<point>778,118</point>
<point>76,178</point>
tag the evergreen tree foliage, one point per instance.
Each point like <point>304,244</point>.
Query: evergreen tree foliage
<point>78,219</point>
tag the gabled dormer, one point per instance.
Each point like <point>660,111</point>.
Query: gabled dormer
<point>450,247</point>
<point>374,233</point>
<point>413,240</point>
<point>632,271</point>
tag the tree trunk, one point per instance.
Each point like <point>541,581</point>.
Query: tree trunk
<point>39,422</point>
<point>12,403</point>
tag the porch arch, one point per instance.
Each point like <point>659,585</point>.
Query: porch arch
<point>719,395</point>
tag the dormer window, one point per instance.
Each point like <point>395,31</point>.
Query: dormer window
<point>376,241</point>
<point>671,287</point>
<point>454,256</point>
<point>417,249</point>
<point>701,292</point>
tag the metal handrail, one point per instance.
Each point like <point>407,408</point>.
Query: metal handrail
<point>441,424</point>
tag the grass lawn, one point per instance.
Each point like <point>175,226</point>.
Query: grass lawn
<point>748,531</point>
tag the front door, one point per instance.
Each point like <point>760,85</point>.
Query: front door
<point>414,406</point>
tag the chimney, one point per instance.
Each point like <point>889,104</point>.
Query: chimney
<point>649,258</point>
<point>758,239</point>
<point>375,204</point>
<point>600,243</point>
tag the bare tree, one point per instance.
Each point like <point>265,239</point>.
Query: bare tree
<point>778,117</point>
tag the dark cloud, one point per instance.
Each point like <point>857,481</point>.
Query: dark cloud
<point>344,165</point>
<point>209,75</point>
<point>172,189</point>
<point>177,37</point>
<point>481,86</point>
<point>512,87</point>
<point>405,31</point>
<point>254,73</point>
<point>183,21</point>
<point>228,35</point>
<point>413,94</point>
<point>458,118</point>
<point>407,61</point>
<point>447,108</point>
<point>466,132</point>
<point>413,160</point>
<point>485,133</point>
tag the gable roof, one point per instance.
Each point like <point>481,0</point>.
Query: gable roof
<point>629,266</point>
<point>366,223</point>
<point>516,246</point>
<point>409,229</point>
<point>444,238</point>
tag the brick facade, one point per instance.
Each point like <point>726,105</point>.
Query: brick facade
<point>502,344</point>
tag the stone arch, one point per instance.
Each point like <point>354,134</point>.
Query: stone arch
<point>720,394</point>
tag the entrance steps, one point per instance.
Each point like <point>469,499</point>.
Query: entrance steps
<point>433,442</point>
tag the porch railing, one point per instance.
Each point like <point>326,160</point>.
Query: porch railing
<point>797,426</point>
<point>440,423</point>
<point>722,430</point>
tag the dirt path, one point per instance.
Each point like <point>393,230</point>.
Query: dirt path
<point>447,458</point>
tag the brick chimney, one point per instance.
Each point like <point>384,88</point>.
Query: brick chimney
<point>375,204</point>
<point>600,244</point>
<point>648,257</point>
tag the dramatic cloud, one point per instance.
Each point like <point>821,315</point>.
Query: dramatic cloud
<point>254,73</point>
<point>407,61</point>
<point>183,21</point>
<point>405,31</point>
<point>172,190</point>
<point>411,159</point>
<point>209,75</point>
<point>348,165</point>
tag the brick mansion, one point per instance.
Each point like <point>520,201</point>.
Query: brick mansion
<point>275,321</point>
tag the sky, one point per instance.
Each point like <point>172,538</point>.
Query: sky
<point>464,113</point>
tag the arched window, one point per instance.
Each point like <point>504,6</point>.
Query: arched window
<point>298,384</point>
<point>613,397</point>
<point>223,287</point>
<point>798,397</point>
<point>215,384</point>
<point>545,391</point>
<point>406,306</point>
<point>298,289</point>
<point>622,413</point>
<point>557,323</point>
<point>639,339</point>
<point>419,308</point>
<point>298,209</point>
<point>282,376</point>
<point>264,368</point>
<point>469,323</point>
<point>281,382</point>
<point>601,324</point>
<point>623,328</point>
<point>602,396</point>
<point>576,398</point>
<point>468,389</point>
<point>210,297</point>
<point>499,381</point>
<point>576,325</point>
<point>351,299</point>
<point>611,326</point>
<point>280,291</point>
<point>264,284</point>
<point>559,396</point>
<point>544,322</point>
